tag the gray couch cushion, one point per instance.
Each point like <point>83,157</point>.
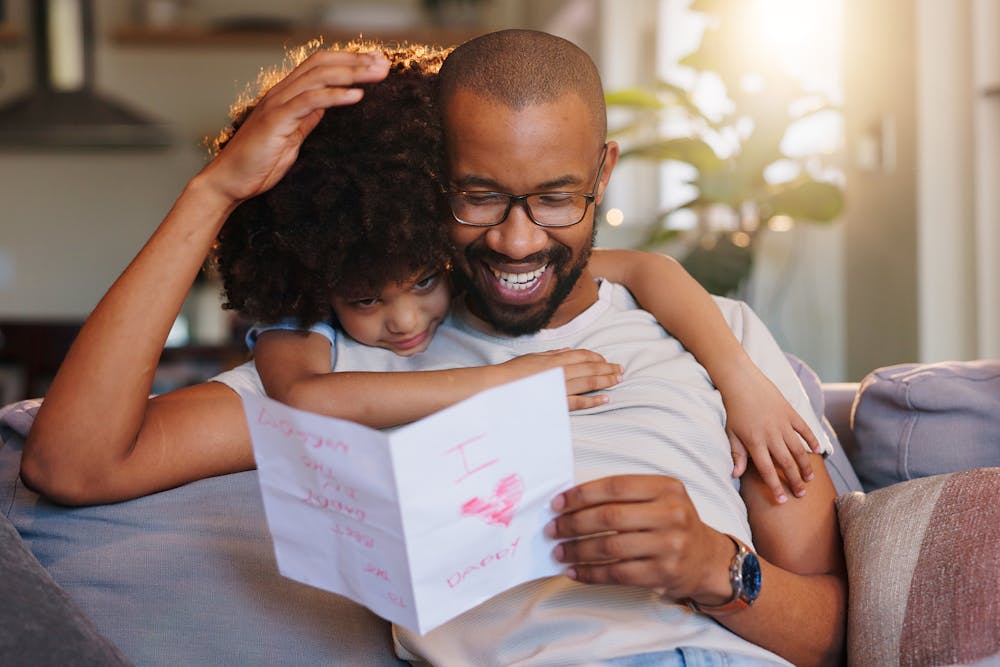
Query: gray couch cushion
<point>39,623</point>
<point>841,472</point>
<point>188,577</point>
<point>916,420</point>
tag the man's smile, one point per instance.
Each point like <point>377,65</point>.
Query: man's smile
<point>519,281</point>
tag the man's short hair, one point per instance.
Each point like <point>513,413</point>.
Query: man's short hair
<point>520,68</point>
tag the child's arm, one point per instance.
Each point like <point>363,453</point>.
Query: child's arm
<point>294,367</point>
<point>758,418</point>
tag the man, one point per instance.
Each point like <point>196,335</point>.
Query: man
<point>524,114</point>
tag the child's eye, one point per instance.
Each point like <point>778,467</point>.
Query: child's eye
<point>365,303</point>
<point>427,283</point>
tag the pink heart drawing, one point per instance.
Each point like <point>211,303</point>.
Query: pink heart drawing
<point>498,510</point>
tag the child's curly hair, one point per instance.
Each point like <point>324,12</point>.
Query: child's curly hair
<point>359,208</point>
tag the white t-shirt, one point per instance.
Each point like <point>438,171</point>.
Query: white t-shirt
<point>665,417</point>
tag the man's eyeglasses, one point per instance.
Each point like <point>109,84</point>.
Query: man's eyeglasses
<point>546,209</point>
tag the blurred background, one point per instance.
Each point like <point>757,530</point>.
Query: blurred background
<point>836,163</point>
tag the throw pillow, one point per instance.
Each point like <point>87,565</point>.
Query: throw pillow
<point>922,566</point>
<point>915,420</point>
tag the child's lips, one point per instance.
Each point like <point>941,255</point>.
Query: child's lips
<point>410,343</point>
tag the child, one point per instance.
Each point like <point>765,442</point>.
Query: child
<point>382,252</point>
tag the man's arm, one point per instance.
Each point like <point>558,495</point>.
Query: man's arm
<point>98,437</point>
<point>654,538</point>
<point>803,570</point>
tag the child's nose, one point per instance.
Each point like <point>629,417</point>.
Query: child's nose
<point>403,319</point>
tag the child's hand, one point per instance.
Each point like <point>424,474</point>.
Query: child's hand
<point>759,421</point>
<point>585,371</point>
<point>267,143</point>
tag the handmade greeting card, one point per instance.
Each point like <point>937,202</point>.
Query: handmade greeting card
<point>427,521</point>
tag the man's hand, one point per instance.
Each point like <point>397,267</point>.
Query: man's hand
<point>268,142</point>
<point>641,530</point>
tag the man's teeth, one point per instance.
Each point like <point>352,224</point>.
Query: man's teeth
<point>519,281</point>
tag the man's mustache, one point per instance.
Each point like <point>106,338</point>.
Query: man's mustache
<point>480,253</point>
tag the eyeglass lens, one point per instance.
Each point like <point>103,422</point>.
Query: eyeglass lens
<point>553,209</point>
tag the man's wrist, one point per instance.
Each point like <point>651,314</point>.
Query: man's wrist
<point>744,581</point>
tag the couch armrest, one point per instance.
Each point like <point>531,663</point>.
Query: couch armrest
<point>838,400</point>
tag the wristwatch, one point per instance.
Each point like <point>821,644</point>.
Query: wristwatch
<point>744,575</point>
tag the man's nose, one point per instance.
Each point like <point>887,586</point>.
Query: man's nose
<point>517,237</point>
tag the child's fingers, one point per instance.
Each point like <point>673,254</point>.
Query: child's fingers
<point>590,381</point>
<point>584,402</point>
<point>739,453</point>
<point>765,467</point>
<point>801,456</point>
<point>789,464</point>
<point>803,429</point>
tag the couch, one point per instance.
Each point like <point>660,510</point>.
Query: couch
<point>188,576</point>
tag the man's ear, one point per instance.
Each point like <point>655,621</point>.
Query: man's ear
<point>610,160</point>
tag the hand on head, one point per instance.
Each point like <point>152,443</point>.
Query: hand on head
<point>267,142</point>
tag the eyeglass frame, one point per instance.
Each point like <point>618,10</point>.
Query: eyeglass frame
<point>522,200</point>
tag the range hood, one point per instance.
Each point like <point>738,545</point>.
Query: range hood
<point>63,110</point>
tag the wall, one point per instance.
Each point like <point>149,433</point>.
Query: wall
<point>71,221</point>
<point>880,233</point>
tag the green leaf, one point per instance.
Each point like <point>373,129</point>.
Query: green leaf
<point>658,236</point>
<point>693,151</point>
<point>682,98</point>
<point>722,268</point>
<point>633,98</point>
<point>806,199</point>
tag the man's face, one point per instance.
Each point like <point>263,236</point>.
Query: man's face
<point>520,277</point>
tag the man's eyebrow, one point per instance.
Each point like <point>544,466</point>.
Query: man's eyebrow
<point>473,180</point>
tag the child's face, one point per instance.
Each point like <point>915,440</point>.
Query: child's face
<point>402,317</point>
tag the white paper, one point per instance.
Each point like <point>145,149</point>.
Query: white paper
<point>425,522</point>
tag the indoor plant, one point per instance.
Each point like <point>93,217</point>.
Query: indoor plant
<point>744,180</point>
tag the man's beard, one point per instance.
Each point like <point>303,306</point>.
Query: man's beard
<point>516,319</point>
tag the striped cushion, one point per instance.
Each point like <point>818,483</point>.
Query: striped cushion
<point>922,560</point>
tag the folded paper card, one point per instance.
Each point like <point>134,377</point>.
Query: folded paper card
<point>427,521</point>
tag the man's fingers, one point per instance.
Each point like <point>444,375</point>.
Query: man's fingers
<point>325,72</point>
<point>629,573</point>
<point>620,488</point>
<point>606,548</point>
<point>364,67</point>
<point>321,78</point>
<point>593,520</point>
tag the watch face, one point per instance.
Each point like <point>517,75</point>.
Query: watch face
<point>750,574</point>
